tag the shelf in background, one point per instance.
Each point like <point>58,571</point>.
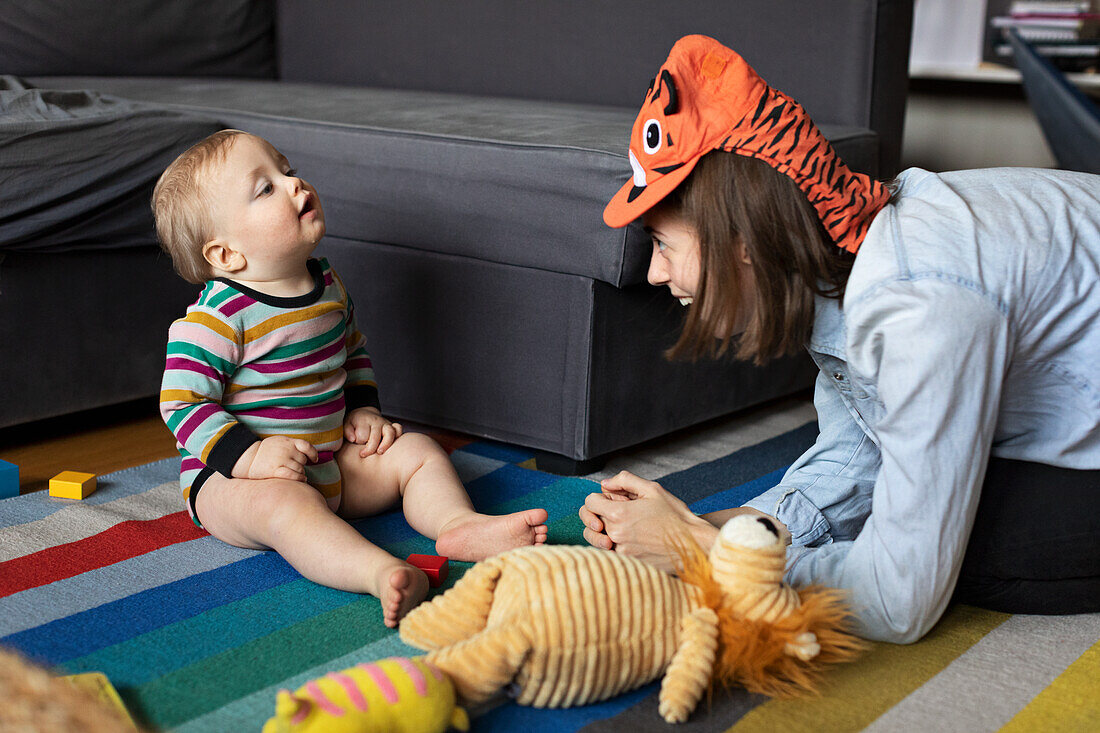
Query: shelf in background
<point>994,74</point>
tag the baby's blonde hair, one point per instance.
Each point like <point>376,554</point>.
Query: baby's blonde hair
<point>181,205</point>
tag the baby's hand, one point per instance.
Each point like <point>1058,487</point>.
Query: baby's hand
<point>366,426</point>
<point>276,457</point>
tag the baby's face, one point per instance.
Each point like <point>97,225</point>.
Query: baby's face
<point>262,209</point>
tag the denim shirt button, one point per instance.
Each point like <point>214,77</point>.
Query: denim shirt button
<point>838,376</point>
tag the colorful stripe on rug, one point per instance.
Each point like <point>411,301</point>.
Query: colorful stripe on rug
<point>199,636</point>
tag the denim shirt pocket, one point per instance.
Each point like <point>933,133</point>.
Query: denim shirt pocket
<point>864,407</point>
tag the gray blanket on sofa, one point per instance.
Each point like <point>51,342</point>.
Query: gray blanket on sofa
<point>58,194</point>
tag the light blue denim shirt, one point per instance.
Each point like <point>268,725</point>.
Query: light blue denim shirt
<point>970,327</point>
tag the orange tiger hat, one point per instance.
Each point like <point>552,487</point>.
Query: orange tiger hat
<point>707,97</point>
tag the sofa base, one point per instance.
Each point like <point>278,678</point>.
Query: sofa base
<point>558,363</point>
<point>565,466</point>
<point>81,330</point>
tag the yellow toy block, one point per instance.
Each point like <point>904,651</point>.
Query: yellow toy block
<point>72,485</point>
<point>98,684</point>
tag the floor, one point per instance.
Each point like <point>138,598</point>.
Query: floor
<point>96,441</point>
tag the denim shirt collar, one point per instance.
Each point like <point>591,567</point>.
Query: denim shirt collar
<point>828,336</point>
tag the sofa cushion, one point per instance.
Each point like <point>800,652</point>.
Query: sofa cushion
<point>579,50</point>
<point>845,62</point>
<point>512,181</point>
<point>139,38</point>
<point>77,167</point>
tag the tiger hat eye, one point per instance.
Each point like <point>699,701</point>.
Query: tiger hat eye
<point>652,136</point>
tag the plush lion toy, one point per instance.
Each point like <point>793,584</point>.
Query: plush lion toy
<point>574,625</point>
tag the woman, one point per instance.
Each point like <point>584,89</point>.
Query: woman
<point>955,320</point>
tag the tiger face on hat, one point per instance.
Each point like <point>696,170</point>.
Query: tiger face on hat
<point>706,97</point>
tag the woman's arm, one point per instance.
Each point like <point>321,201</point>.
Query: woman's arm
<point>839,471</point>
<point>720,517</point>
<point>825,496</point>
<point>937,352</point>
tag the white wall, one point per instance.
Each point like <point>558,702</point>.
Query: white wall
<point>950,131</point>
<point>961,114</point>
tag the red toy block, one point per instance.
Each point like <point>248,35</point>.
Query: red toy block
<point>434,566</point>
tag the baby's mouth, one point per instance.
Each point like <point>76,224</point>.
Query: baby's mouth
<point>307,207</point>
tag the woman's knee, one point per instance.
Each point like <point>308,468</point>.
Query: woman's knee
<point>1021,595</point>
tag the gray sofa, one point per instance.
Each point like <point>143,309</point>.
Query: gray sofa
<point>463,152</point>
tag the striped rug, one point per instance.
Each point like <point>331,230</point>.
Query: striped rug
<point>199,636</point>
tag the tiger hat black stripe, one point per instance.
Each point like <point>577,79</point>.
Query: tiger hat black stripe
<point>706,97</point>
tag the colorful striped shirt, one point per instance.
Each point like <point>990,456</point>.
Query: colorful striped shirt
<point>243,366</point>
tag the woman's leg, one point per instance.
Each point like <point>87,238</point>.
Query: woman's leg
<point>1035,546</point>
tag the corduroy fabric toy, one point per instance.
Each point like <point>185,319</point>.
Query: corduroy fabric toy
<point>574,625</point>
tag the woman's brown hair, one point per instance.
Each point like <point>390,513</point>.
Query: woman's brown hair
<point>730,199</point>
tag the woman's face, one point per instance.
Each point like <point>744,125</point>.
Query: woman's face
<point>675,259</point>
<point>676,263</point>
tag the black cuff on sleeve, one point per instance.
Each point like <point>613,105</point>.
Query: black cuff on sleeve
<point>361,395</point>
<point>230,448</point>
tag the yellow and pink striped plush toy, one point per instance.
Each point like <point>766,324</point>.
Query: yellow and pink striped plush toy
<point>397,694</point>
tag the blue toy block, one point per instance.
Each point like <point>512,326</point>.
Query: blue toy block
<point>9,479</point>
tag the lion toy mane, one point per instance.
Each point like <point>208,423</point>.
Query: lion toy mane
<point>568,625</point>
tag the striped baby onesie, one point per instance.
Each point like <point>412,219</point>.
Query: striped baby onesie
<point>243,366</point>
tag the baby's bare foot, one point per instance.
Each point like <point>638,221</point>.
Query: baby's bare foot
<point>400,588</point>
<point>478,536</point>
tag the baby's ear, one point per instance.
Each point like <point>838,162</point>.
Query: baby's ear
<point>222,257</point>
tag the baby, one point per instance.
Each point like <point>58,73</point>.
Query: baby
<point>270,393</point>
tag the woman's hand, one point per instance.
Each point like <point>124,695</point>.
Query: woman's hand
<point>637,518</point>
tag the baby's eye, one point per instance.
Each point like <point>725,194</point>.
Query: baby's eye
<point>268,188</point>
<point>291,173</point>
